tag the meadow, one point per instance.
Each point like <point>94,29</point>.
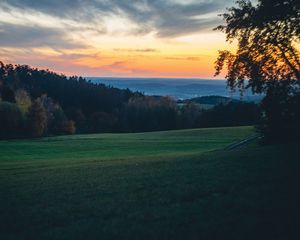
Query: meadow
<point>182,184</point>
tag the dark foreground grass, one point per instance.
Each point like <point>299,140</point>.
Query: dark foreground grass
<point>247,193</point>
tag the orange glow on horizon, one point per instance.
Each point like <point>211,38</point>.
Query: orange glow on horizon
<point>186,57</point>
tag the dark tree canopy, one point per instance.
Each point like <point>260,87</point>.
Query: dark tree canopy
<point>268,44</point>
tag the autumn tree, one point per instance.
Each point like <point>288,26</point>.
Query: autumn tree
<point>23,100</point>
<point>267,58</point>
<point>37,119</point>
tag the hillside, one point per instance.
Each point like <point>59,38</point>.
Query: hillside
<point>162,185</point>
<point>44,103</point>
<point>211,100</point>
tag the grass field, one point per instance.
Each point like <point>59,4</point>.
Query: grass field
<point>163,185</point>
<point>95,148</point>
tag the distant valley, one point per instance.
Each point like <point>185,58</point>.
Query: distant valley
<point>180,89</point>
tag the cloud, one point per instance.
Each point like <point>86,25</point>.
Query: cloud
<point>119,68</point>
<point>21,36</point>
<point>70,64</point>
<point>164,17</point>
<point>142,50</point>
<point>171,19</point>
<point>61,8</point>
<point>184,58</point>
<point>68,26</point>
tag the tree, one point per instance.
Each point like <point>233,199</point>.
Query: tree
<point>69,127</point>
<point>101,122</point>
<point>234,113</point>
<point>11,120</point>
<point>149,113</point>
<point>267,53</point>
<point>60,124</point>
<point>267,37</point>
<point>7,94</point>
<point>23,100</point>
<point>37,119</point>
<point>190,114</point>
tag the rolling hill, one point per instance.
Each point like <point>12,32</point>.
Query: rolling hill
<point>162,185</point>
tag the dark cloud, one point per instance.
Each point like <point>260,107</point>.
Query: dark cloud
<point>34,36</point>
<point>60,8</point>
<point>167,18</point>
<point>171,19</point>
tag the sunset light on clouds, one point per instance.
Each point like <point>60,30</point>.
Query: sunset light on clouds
<point>141,38</point>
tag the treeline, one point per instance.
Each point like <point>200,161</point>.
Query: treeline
<point>40,102</point>
<point>37,102</point>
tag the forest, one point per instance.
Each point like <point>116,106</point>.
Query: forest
<point>37,103</point>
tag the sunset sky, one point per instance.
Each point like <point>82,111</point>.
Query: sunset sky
<point>118,38</point>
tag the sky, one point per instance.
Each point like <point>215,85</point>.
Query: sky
<point>116,38</point>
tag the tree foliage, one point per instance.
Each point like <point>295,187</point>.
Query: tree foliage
<point>37,119</point>
<point>23,100</point>
<point>149,113</point>
<point>268,44</point>
<point>10,120</point>
<point>268,56</point>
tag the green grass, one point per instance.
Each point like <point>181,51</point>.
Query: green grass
<point>164,185</point>
<point>84,149</point>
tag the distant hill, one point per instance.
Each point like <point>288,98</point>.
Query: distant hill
<point>179,89</point>
<point>208,102</point>
<point>212,100</point>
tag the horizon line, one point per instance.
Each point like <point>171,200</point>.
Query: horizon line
<point>160,78</point>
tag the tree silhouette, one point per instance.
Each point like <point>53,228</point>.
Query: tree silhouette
<point>268,37</point>
<point>268,56</point>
